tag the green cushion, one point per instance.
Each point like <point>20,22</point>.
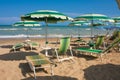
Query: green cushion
<point>38,59</point>
<point>18,45</point>
<point>99,41</point>
<point>64,44</point>
<point>115,42</point>
<point>90,50</point>
<point>33,43</point>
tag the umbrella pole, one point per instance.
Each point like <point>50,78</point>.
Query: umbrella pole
<point>46,40</point>
<point>79,32</point>
<point>91,28</point>
<point>27,34</point>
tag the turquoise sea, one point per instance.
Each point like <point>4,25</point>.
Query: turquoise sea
<point>8,31</point>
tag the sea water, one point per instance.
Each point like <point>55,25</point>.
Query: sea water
<point>8,31</point>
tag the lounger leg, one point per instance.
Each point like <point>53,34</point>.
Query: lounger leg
<point>57,55</point>
<point>34,72</point>
<point>101,58</point>
<point>31,47</point>
<point>46,52</point>
<point>71,51</point>
<point>51,65</point>
<point>14,50</point>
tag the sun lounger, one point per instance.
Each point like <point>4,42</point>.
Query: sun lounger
<point>61,52</point>
<point>17,46</point>
<point>31,44</point>
<point>99,42</point>
<point>115,35</point>
<point>39,61</point>
<point>97,51</point>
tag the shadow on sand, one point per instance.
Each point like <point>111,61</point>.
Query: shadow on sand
<point>6,46</point>
<point>55,77</point>
<point>16,55</point>
<point>102,72</point>
<point>87,57</point>
<point>25,69</point>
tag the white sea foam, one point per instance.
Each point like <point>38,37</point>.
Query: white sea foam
<point>7,29</point>
<point>87,29</point>
<point>20,36</point>
<point>36,28</point>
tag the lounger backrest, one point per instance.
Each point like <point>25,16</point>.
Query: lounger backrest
<point>115,35</point>
<point>64,44</point>
<point>115,42</point>
<point>99,41</point>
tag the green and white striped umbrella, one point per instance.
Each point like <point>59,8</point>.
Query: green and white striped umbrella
<point>117,19</point>
<point>26,23</point>
<point>79,23</point>
<point>94,17</point>
<point>48,16</point>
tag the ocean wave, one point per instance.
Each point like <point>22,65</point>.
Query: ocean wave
<point>36,28</point>
<point>20,36</point>
<point>42,36</point>
<point>88,29</point>
<point>7,29</point>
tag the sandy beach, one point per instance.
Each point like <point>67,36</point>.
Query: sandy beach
<point>13,65</point>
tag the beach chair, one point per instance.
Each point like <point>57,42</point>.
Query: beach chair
<point>31,44</point>
<point>115,34</point>
<point>17,46</point>
<point>61,52</point>
<point>39,61</point>
<point>97,51</point>
<point>97,42</point>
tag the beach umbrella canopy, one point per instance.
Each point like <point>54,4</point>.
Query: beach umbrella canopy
<point>93,18</point>
<point>48,16</point>
<point>26,23</point>
<point>117,19</point>
<point>80,24</point>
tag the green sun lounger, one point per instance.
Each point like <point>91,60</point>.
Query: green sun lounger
<point>116,34</point>
<point>39,61</point>
<point>97,51</point>
<point>99,42</point>
<point>31,44</point>
<point>17,46</point>
<point>61,52</point>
